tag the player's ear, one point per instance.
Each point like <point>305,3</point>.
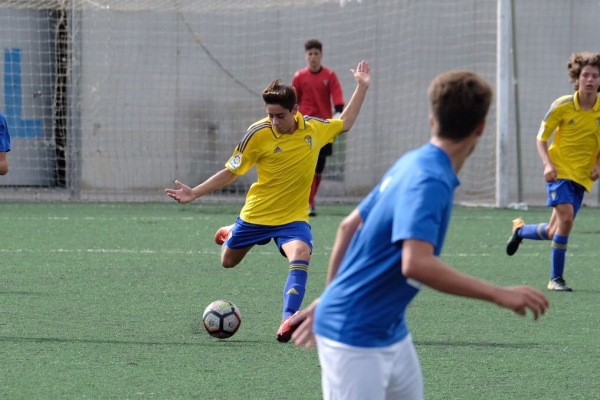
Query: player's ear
<point>480,128</point>
<point>431,121</point>
<point>295,109</point>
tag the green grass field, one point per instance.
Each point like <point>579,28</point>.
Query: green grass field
<point>103,301</point>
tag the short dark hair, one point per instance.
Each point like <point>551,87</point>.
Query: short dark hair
<point>279,94</point>
<point>313,44</point>
<point>580,60</point>
<point>460,101</point>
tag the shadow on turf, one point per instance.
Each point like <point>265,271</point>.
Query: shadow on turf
<point>210,342</point>
<point>459,343</point>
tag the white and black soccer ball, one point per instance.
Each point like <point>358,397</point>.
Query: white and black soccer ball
<point>222,319</point>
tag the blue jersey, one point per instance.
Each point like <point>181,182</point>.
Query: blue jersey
<point>4,136</point>
<point>365,303</point>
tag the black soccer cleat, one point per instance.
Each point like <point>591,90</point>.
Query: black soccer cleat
<point>514,240</point>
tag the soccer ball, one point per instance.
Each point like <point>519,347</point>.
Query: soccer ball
<point>222,319</point>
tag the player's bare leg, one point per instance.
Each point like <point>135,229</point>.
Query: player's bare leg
<point>232,257</point>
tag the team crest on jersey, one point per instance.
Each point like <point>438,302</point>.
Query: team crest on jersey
<point>598,122</point>
<point>235,162</point>
<point>308,140</point>
<point>326,82</point>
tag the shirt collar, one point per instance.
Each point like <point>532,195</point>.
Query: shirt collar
<point>578,106</point>
<point>300,120</point>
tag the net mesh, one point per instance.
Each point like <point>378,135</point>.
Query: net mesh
<point>114,100</point>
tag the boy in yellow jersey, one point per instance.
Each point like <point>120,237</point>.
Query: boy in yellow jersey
<point>284,147</point>
<point>571,163</point>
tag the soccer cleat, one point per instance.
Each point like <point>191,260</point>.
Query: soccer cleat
<point>558,284</point>
<point>222,234</point>
<point>284,334</point>
<point>514,240</point>
<point>312,212</point>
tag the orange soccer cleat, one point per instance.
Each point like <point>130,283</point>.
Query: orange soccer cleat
<point>222,234</point>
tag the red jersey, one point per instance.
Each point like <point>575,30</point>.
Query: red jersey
<point>315,92</point>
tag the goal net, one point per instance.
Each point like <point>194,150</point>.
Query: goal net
<point>112,100</point>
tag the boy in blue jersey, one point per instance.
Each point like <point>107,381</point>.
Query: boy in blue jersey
<point>4,145</point>
<point>389,246</point>
<point>284,147</point>
<point>571,163</point>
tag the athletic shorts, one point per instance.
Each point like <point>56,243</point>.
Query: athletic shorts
<point>565,191</point>
<point>245,234</point>
<point>373,373</point>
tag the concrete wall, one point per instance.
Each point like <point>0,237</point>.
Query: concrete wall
<point>166,95</point>
<point>26,74</point>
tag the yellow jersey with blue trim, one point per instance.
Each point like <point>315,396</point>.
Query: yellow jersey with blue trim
<point>576,143</point>
<point>285,166</point>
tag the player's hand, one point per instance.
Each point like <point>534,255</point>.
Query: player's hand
<point>521,298</point>
<point>303,335</point>
<point>550,173</point>
<point>595,174</point>
<point>183,194</point>
<point>362,75</point>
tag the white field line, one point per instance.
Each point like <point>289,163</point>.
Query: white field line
<point>88,218</point>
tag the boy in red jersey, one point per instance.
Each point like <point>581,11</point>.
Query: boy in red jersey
<point>317,87</point>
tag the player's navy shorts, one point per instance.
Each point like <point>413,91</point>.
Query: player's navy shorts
<point>565,191</point>
<point>245,234</point>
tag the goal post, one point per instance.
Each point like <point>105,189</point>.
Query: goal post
<point>112,100</point>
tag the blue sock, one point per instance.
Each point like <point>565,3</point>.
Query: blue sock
<point>559,251</point>
<point>295,287</point>
<point>534,232</point>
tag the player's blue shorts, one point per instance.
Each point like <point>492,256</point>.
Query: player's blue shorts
<point>245,234</point>
<point>565,191</point>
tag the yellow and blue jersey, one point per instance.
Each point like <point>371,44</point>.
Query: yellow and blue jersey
<point>574,149</point>
<point>285,165</point>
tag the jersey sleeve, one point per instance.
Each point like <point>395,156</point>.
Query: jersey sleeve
<point>336,90</point>
<point>4,136</point>
<point>246,153</point>
<point>420,210</point>
<point>550,122</point>
<point>332,128</point>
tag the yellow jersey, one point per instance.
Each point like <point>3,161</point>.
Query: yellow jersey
<point>285,166</point>
<point>574,149</point>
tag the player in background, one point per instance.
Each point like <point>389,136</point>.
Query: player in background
<point>389,246</point>
<point>4,145</point>
<point>571,163</point>
<point>285,147</point>
<point>317,88</point>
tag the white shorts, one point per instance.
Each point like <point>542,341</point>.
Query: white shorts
<point>373,373</point>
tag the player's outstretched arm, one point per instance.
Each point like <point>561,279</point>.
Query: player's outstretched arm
<point>362,75</point>
<point>521,298</point>
<point>185,194</point>
<point>419,263</point>
<point>345,232</point>
<point>549,169</point>
<point>595,173</point>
